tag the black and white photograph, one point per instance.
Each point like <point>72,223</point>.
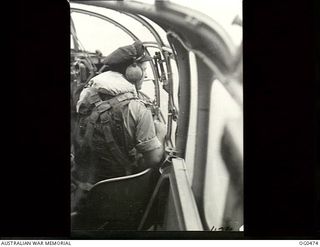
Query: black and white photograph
<point>156,116</point>
<point>161,120</point>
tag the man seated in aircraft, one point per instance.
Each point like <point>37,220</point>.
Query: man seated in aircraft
<point>115,127</point>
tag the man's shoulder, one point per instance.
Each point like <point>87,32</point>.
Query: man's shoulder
<point>137,104</point>
<point>138,109</point>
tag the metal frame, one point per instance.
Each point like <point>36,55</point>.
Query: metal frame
<point>183,63</point>
<point>184,203</point>
<point>148,26</point>
<point>117,24</point>
<point>218,49</point>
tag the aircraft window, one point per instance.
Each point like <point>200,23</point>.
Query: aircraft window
<point>164,98</point>
<point>223,182</point>
<point>190,149</point>
<point>175,79</point>
<point>140,31</point>
<point>158,29</point>
<point>95,33</point>
<point>71,42</point>
<point>148,86</point>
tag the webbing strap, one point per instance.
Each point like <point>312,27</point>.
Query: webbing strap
<point>103,106</point>
<point>100,111</point>
<point>96,100</point>
<point>115,150</point>
<point>90,128</point>
<point>121,97</point>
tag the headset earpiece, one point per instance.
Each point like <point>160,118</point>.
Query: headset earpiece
<point>134,73</point>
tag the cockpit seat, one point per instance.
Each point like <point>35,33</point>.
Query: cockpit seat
<point>116,203</point>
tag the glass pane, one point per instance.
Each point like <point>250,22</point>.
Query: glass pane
<point>140,31</point>
<point>95,33</point>
<point>190,149</point>
<point>175,79</point>
<point>159,30</point>
<point>222,197</point>
<point>148,87</point>
<point>71,42</point>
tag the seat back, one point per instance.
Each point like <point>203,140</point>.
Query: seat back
<point>117,203</point>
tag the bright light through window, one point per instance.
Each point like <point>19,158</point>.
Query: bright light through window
<point>221,11</point>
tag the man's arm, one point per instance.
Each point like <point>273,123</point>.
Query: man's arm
<point>150,136</point>
<point>153,157</point>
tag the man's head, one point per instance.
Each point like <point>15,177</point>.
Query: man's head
<point>131,61</point>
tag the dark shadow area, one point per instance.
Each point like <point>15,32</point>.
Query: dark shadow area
<point>317,107</point>
<point>36,178</point>
<point>280,141</point>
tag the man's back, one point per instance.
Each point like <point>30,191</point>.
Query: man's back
<point>108,140</point>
